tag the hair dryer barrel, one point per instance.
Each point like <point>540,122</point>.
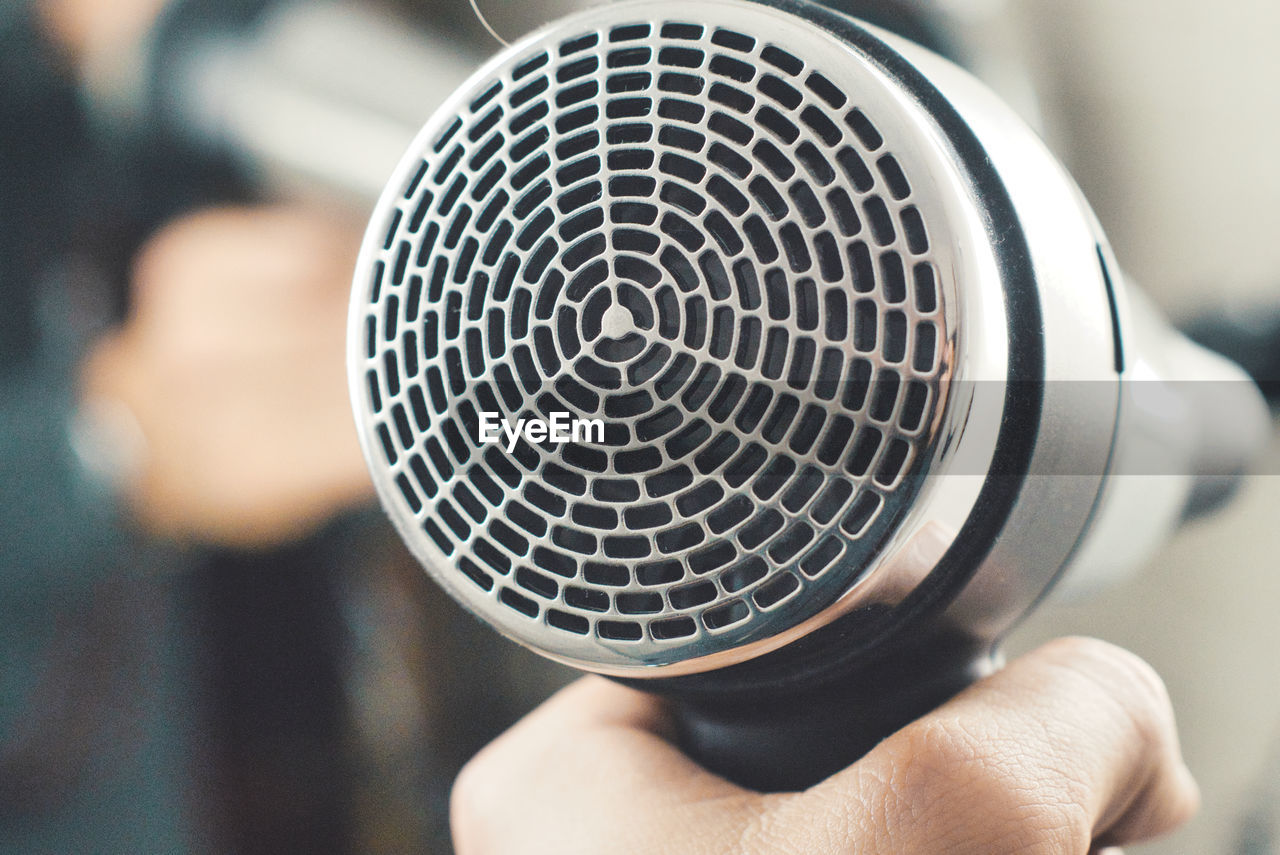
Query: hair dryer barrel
<point>863,371</point>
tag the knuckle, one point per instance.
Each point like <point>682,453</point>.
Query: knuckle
<point>1127,680</point>
<point>965,785</point>
<point>939,743</point>
<point>937,766</point>
<point>1110,664</point>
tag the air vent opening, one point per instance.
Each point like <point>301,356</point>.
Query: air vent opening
<point>693,235</point>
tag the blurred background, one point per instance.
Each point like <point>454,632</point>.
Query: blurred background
<point>212,642</point>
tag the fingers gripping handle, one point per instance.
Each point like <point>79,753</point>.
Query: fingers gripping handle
<point>784,742</point>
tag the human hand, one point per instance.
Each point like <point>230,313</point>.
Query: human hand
<point>231,363</point>
<point>1070,749</point>
<point>88,28</point>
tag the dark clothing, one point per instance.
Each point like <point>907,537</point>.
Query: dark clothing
<point>92,722</point>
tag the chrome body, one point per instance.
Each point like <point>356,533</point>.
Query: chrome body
<point>1004,468</point>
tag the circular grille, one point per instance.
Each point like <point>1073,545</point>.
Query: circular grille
<point>691,234</point>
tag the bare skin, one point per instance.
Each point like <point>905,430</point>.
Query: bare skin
<point>1070,749</point>
<point>87,26</point>
<point>232,366</point>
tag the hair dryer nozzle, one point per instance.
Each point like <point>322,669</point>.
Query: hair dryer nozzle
<point>740,349</point>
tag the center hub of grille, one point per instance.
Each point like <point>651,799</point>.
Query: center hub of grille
<point>617,322</point>
<point>617,312</point>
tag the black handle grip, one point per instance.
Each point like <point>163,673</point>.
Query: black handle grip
<point>776,742</point>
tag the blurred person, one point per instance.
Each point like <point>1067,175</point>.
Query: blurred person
<point>231,365</point>
<point>165,378</point>
<point>199,655</point>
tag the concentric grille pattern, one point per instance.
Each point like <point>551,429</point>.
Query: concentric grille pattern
<point>685,232</point>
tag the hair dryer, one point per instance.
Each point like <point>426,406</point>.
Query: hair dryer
<point>856,373</point>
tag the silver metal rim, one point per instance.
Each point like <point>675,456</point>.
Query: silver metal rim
<point>961,436</point>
